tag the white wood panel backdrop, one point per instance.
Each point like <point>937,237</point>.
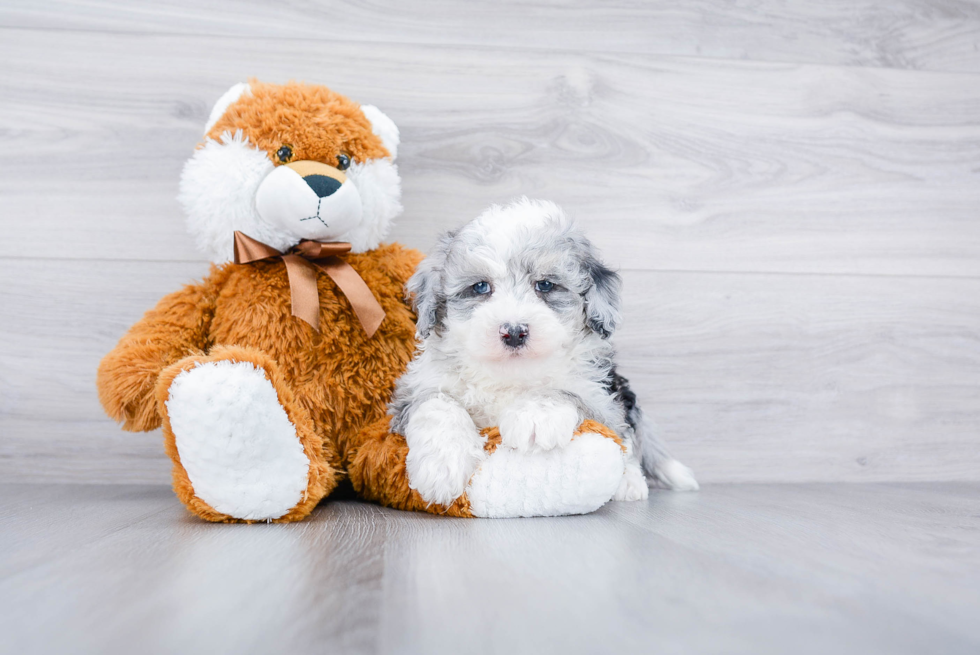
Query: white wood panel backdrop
<point>791,191</point>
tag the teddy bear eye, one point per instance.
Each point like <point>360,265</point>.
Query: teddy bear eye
<point>343,162</point>
<point>284,154</point>
<point>481,288</point>
<point>544,286</point>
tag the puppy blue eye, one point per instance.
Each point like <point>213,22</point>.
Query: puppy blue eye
<point>481,288</point>
<point>544,286</point>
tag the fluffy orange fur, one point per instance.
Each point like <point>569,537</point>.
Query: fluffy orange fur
<point>377,472</point>
<point>322,476</point>
<point>331,383</point>
<point>317,123</point>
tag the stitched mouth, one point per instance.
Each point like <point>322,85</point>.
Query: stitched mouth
<point>319,204</point>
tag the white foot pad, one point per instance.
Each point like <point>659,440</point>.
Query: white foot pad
<point>235,441</point>
<point>577,479</point>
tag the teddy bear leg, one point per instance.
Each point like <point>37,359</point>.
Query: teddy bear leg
<point>243,448</point>
<point>576,479</point>
<point>376,461</point>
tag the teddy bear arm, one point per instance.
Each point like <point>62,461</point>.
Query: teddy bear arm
<point>178,326</point>
<point>377,470</point>
<point>576,479</point>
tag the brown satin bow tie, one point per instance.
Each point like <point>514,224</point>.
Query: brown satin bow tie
<point>302,261</point>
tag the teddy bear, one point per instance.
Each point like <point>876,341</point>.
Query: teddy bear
<point>270,377</point>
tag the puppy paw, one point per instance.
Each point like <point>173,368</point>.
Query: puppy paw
<point>444,449</point>
<point>535,424</point>
<point>633,486</point>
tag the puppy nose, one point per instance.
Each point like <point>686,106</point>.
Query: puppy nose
<point>513,336</point>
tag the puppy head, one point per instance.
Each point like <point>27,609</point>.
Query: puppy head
<point>289,162</point>
<point>518,287</point>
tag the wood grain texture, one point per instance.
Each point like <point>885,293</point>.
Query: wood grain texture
<point>791,190</point>
<point>760,569</point>
<point>752,377</point>
<point>800,377</point>
<point>671,163</point>
<point>922,34</point>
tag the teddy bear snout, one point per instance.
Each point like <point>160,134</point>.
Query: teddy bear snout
<point>310,199</point>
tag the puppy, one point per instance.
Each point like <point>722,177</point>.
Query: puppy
<point>515,312</point>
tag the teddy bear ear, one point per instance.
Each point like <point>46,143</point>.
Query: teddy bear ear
<point>384,127</point>
<point>225,101</point>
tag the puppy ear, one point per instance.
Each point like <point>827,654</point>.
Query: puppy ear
<point>602,301</point>
<point>424,288</point>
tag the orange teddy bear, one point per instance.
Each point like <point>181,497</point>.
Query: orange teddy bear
<point>271,377</point>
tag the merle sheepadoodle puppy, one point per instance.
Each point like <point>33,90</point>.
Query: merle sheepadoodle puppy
<point>515,314</point>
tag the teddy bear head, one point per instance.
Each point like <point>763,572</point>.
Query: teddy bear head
<point>283,163</point>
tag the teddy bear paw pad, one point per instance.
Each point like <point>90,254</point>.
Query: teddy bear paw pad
<point>577,479</point>
<point>235,441</point>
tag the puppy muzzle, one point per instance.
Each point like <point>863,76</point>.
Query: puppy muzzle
<point>309,199</point>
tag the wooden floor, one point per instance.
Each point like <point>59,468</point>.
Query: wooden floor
<point>750,568</point>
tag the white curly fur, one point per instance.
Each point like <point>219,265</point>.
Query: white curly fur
<point>537,389</point>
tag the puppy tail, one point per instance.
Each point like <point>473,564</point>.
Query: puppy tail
<point>656,459</point>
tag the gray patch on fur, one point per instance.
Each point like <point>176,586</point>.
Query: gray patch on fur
<point>424,288</point>
<point>404,403</point>
<point>602,300</point>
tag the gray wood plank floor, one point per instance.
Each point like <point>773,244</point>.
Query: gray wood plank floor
<point>816,568</point>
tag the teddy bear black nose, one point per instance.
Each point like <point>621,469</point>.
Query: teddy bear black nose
<point>322,185</point>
